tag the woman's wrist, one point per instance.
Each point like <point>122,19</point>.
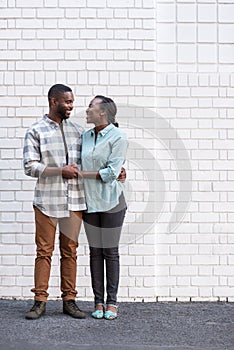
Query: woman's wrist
<point>90,175</point>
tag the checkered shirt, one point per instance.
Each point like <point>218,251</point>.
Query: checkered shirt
<point>44,147</point>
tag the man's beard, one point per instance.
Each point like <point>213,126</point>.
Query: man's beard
<point>61,111</point>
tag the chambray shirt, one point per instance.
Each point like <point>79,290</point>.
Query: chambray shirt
<point>107,155</point>
<point>44,146</point>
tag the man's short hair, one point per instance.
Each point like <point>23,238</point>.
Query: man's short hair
<point>57,89</point>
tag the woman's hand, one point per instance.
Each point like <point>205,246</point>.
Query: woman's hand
<point>122,176</point>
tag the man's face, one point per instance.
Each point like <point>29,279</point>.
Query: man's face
<point>64,105</point>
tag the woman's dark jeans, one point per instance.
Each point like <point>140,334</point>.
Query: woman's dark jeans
<point>103,232</point>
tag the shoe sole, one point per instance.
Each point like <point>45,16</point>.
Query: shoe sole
<point>97,318</point>
<point>68,313</point>
<point>110,319</point>
<point>34,318</point>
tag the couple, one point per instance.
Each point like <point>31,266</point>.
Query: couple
<point>77,178</point>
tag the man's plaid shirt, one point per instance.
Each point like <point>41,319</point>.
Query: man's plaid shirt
<point>44,147</point>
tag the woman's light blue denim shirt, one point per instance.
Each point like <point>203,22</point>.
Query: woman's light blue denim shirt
<point>107,155</point>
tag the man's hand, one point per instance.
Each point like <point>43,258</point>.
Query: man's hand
<point>122,176</point>
<point>70,171</point>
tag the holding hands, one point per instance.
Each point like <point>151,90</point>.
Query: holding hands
<point>70,171</point>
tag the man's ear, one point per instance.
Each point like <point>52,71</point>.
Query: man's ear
<point>53,101</point>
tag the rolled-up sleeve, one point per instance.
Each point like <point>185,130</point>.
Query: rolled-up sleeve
<point>31,155</point>
<point>115,161</point>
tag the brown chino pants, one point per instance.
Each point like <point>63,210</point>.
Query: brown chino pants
<point>69,229</point>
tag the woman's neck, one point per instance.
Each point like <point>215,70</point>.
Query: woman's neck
<point>100,127</point>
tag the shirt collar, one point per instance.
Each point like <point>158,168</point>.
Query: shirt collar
<point>51,122</point>
<point>104,131</point>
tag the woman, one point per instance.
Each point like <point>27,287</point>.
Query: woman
<point>103,153</point>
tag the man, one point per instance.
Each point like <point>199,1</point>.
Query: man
<point>52,154</point>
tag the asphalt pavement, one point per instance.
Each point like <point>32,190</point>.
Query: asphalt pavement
<point>139,326</point>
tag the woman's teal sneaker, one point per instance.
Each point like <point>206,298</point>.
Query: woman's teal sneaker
<point>111,315</point>
<point>98,313</point>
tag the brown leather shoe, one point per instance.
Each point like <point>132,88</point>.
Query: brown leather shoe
<point>36,311</point>
<point>70,308</point>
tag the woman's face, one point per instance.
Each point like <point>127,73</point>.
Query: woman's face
<point>94,114</point>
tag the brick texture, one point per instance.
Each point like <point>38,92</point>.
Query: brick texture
<point>168,67</point>
<point>96,47</point>
<point>194,82</point>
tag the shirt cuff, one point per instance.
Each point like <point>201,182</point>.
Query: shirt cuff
<point>107,175</point>
<point>34,169</point>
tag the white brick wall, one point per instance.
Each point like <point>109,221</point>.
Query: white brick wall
<point>96,47</point>
<point>195,59</point>
<point>108,47</point>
